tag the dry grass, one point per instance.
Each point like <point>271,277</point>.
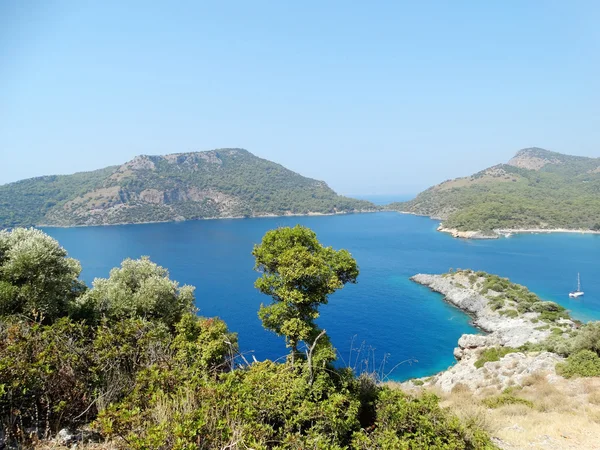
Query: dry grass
<point>46,445</point>
<point>566,413</point>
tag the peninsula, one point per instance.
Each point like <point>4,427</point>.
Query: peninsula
<point>536,191</point>
<point>535,366</point>
<point>223,183</point>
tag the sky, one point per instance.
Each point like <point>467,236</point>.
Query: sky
<point>372,97</point>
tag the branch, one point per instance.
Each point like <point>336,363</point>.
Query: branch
<point>309,357</point>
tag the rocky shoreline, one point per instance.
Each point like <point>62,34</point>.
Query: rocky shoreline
<point>467,234</point>
<point>507,231</point>
<point>179,220</point>
<point>464,291</point>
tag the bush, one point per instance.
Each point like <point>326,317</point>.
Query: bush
<point>505,399</point>
<point>37,280</point>
<point>588,338</point>
<point>493,354</point>
<point>511,313</point>
<point>584,363</point>
<point>139,288</point>
<point>137,363</point>
<point>405,422</point>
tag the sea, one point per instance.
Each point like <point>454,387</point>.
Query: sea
<point>384,323</point>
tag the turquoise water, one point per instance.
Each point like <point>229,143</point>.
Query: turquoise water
<point>404,330</point>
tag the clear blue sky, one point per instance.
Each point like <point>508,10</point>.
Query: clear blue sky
<point>372,97</point>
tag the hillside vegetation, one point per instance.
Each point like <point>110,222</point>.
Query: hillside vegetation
<point>185,186</point>
<point>128,361</point>
<point>536,189</point>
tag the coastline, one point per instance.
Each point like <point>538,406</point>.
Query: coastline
<point>499,232</point>
<point>463,291</point>
<point>257,216</point>
<point>503,232</point>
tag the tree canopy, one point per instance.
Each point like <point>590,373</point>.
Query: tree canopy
<point>299,273</point>
<point>139,288</point>
<point>37,279</point>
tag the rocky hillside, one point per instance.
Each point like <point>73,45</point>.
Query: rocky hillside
<point>511,316</point>
<point>183,186</point>
<point>537,189</point>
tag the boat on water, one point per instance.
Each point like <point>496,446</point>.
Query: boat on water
<point>578,292</point>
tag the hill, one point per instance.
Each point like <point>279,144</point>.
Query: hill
<point>536,189</point>
<point>183,186</point>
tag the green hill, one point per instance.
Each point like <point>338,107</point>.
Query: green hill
<point>536,189</point>
<point>184,186</point>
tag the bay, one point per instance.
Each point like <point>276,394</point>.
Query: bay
<point>384,323</point>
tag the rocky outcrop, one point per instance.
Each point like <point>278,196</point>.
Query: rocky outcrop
<point>467,234</point>
<point>511,370</point>
<point>530,162</point>
<point>463,290</point>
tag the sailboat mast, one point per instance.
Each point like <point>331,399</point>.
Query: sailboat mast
<point>578,283</point>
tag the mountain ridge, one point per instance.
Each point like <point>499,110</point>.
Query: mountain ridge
<point>535,190</point>
<point>220,183</point>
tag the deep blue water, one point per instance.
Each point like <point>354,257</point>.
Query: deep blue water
<point>385,311</point>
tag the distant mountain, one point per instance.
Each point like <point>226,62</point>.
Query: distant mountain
<point>183,186</point>
<point>536,189</point>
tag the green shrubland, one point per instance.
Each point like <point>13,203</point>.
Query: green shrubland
<point>131,357</point>
<point>561,194</point>
<point>190,186</point>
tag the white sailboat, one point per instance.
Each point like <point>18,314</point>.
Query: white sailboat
<point>578,292</point>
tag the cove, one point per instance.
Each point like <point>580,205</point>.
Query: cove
<point>402,329</point>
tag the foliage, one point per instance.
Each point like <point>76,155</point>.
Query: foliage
<point>584,363</point>
<point>504,399</point>
<point>26,202</point>
<point>139,288</point>
<point>405,422</point>
<point>147,372</point>
<point>562,194</point>
<point>491,354</point>
<point>510,299</point>
<point>37,279</point>
<point>299,274</point>
<point>225,182</point>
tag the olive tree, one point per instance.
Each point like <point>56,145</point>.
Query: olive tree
<point>139,288</point>
<point>299,274</point>
<point>37,279</point>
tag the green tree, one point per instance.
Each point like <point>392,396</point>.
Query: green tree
<point>36,277</point>
<point>299,274</point>
<point>139,288</point>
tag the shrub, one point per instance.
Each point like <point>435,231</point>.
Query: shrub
<point>492,354</point>
<point>511,313</point>
<point>406,422</point>
<point>37,279</point>
<point>46,379</point>
<point>505,399</point>
<point>588,338</point>
<point>496,304</point>
<point>584,363</point>
<point>139,288</point>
